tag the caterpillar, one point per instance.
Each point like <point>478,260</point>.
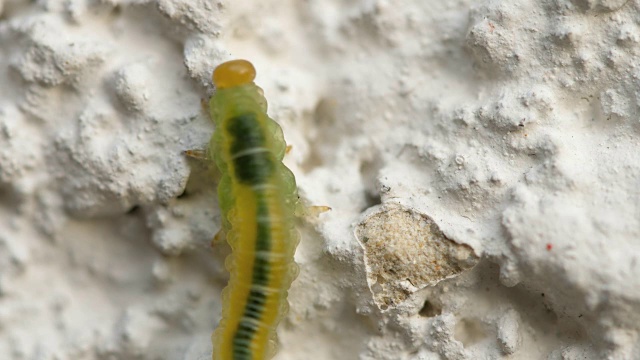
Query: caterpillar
<point>257,195</point>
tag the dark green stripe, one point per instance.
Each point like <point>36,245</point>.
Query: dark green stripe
<point>256,300</point>
<point>252,169</point>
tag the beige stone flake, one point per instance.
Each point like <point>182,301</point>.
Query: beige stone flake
<point>405,251</point>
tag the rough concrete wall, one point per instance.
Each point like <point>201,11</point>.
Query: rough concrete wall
<point>509,128</point>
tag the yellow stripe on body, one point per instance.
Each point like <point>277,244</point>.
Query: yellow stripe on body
<point>242,238</point>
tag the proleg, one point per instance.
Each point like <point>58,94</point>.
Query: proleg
<point>257,196</point>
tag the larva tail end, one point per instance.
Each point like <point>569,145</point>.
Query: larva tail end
<point>233,73</point>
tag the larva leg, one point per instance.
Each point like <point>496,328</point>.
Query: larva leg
<point>287,149</point>
<point>310,211</point>
<point>316,210</point>
<point>199,154</point>
<point>218,238</point>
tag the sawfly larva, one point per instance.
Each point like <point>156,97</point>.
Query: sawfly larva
<point>258,197</point>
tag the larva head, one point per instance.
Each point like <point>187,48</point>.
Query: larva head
<point>233,73</point>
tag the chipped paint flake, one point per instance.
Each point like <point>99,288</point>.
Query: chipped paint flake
<point>406,251</point>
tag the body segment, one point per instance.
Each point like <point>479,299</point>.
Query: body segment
<point>257,196</point>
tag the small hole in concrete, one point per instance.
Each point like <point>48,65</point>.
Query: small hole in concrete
<point>134,210</point>
<point>430,309</point>
<point>369,171</point>
<point>372,199</point>
<point>184,194</point>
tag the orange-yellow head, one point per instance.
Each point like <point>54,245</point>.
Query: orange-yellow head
<point>233,73</point>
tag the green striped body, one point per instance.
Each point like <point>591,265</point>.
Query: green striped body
<point>257,196</point>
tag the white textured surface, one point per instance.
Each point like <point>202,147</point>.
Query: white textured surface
<point>514,125</point>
